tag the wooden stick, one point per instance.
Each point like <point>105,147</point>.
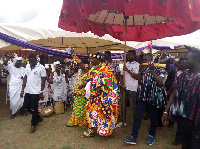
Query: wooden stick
<point>124,96</point>
<point>155,64</point>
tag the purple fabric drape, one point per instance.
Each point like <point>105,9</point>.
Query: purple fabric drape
<point>45,50</point>
<point>64,54</point>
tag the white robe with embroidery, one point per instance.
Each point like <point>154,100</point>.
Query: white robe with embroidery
<point>59,87</point>
<point>15,87</point>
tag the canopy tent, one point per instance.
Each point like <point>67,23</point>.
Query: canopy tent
<point>83,43</point>
<point>192,40</point>
<point>82,39</point>
<point>178,52</point>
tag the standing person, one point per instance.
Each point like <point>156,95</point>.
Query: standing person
<point>151,95</point>
<point>112,64</point>
<point>49,69</point>
<point>184,102</point>
<point>180,68</point>
<point>78,117</point>
<point>15,84</point>
<point>34,81</point>
<point>72,82</point>
<point>57,78</point>
<point>102,105</point>
<point>170,77</point>
<point>131,84</point>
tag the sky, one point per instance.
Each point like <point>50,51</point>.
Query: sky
<point>44,13</point>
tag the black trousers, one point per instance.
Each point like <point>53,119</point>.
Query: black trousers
<point>141,109</point>
<point>189,133</point>
<point>31,104</point>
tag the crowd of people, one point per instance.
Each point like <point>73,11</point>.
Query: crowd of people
<point>160,88</point>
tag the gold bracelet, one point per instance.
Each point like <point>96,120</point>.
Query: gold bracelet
<point>165,112</point>
<point>22,90</point>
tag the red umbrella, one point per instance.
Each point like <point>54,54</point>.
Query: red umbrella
<point>180,18</point>
<point>143,20</point>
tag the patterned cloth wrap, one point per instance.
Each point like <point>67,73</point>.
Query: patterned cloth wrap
<point>102,108</point>
<point>186,102</point>
<point>78,115</point>
<point>148,89</point>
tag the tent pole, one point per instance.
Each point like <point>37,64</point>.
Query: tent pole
<point>123,88</point>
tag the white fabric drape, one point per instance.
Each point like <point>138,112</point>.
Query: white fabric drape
<point>15,87</point>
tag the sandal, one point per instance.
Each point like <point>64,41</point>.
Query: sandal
<point>105,137</point>
<point>87,135</point>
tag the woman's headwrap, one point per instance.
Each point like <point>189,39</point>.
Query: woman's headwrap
<point>16,58</point>
<point>56,63</point>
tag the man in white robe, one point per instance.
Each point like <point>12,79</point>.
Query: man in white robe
<point>15,84</point>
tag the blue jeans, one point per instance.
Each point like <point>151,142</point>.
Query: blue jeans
<point>141,109</point>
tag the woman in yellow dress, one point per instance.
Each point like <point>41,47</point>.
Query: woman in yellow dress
<point>78,117</point>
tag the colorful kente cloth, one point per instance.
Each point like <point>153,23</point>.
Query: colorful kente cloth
<point>186,102</point>
<point>102,108</point>
<point>114,66</point>
<point>78,116</point>
<point>148,89</point>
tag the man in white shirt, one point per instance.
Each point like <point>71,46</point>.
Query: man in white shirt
<point>131,83</point>
<point>15,84</point>
<point>34,81</point>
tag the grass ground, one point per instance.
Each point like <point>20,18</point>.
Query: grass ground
<point>52,133</point>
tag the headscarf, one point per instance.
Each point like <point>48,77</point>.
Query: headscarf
<point>16,58</point>
<point>56,63</point>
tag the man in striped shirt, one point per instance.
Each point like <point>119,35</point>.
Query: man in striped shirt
<point>185,102</point>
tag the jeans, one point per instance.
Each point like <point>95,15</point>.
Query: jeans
<point>31,104</point>
<point>131,98</point>
<point>189,133</point>
<point>141,109</point>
